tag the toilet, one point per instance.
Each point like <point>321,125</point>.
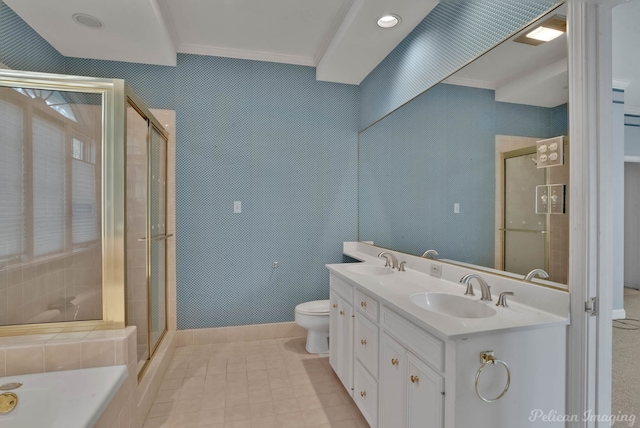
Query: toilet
<point>314,316</point>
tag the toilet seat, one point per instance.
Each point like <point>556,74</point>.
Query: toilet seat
<point>315,307</point>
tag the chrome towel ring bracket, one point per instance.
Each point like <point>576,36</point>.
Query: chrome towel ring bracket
<point>487,358</point>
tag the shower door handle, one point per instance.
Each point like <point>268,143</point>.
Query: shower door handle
<point>162,237</point>
<point>157,238</point>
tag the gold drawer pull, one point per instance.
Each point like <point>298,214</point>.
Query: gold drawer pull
<point>414,379</point>
<point>363,393</point>
<point>363,342</point>
<point>335,305</point>
<point>341,312</point>
<point>363,304</point>
<point>394,361</point>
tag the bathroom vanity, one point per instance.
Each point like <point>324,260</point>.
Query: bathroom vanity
<point>412,359</point>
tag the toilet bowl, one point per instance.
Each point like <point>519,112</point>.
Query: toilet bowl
<point>314,316</point>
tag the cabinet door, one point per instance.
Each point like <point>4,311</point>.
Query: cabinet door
<point>425,397</point>
<point>393,382</point>
<point>345,337</point>
<point>365,394</point>
<point>341,340</point>
<point>334,331</point>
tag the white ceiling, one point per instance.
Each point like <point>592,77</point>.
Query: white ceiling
<point>339,37</point>
<point>521,73</point>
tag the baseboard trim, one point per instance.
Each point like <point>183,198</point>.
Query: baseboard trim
<point>618,314</point>
<point>206,336</point>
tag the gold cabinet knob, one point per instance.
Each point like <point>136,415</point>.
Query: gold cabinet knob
<point>335,305</point>
<point>363,304</point>
<point>414,379</point>
<point>363,393</point>
<point>341,312</point>
<point>394,361</point>
<point>363,342</point>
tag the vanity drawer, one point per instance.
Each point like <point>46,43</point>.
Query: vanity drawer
<point>365,394</point>
<point>366,343</point>
<point>342,288</point>
<point>367,305</point>
<point>428,347</point>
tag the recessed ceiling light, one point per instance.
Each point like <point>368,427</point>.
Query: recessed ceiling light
<point>544,34</point>
<point>388,21</point>
<point>88,21</point>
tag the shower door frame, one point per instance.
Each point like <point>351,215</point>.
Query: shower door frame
<point>532,150</point>
<point>112,190</point>
<point>133,101</point>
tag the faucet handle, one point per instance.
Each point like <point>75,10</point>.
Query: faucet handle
<point>401,267</point>
<point>502,299</point>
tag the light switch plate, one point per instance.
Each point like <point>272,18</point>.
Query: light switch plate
<point>237,207</point>
<point>557,198</point>
<point>542,199</point>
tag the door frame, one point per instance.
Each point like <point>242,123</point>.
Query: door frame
<point>591,216</point>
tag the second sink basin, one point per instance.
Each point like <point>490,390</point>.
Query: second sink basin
<point>452,305</point>
<point>370,270</point>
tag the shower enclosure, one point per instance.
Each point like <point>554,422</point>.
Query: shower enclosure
<point>83,208</point>
<point>146,171</point>
<point>531,240</point>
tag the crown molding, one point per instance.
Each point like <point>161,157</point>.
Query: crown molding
<point>632,110</point>
<point>621,84</point>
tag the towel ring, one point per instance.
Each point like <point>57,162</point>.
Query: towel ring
<point>490,359</point>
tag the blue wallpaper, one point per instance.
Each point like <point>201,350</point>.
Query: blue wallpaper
<point>22,48</point>
<point>435,151</point>
<point>266,134</point>
<point>155,84</point>
<point>454,33</point>
<point>285,145</point>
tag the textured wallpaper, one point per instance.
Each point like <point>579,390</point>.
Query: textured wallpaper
<point>437,150</point>
<point>454,33</point>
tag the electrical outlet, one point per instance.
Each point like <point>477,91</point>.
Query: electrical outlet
<point>435,269</point>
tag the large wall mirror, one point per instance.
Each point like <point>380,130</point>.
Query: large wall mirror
<point>457,169</point>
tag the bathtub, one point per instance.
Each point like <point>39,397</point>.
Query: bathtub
<point>66,399</point>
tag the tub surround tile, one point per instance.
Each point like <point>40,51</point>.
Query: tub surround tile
<point>97,354</point>
<point>62,356</point>
<point>24,360</point>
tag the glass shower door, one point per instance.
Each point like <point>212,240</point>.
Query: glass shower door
<point>157,208</point>
<point>525,232</point>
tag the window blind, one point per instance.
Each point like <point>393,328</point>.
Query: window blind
<point>12,227</point>
<point>48,187</point>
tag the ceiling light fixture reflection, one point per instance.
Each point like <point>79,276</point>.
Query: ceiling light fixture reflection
<point>544,34</point>
<point>88,21</point>
<point>388,21</point>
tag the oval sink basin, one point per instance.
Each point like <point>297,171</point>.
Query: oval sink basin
<point>452,305</point>
<point>370,270</point>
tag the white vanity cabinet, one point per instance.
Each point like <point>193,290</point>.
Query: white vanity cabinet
<point>341,331</point>
<point>403,375</point>
<point>411,393</point>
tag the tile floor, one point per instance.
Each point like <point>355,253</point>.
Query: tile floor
<point>258,384</point>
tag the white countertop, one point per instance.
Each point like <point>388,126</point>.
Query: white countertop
<point>395,289</point>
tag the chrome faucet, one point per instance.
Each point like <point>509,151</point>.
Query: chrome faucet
<point>484,287</point>
<point>391,261</point>
<point>536,272</point>
<point>430,254</point>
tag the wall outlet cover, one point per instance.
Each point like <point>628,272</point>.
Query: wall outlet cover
<point>435,269</point>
